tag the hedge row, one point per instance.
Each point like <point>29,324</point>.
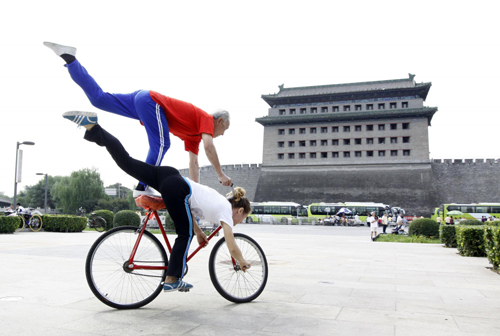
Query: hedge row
<point>424,227</point>
<point>492,244</point>
<point>448,236</point>
<point>63,223</point>
<point>470,240</point>
<point>9,224</point>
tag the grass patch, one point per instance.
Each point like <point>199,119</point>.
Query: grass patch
<point>392,238</point>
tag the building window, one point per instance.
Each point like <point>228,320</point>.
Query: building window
<point>381,140</point>
<point>335,142</point>
<point>357,153</point>
<point>406,139</point>
<point>347,154</point>
<point>312,143</point>
<point>291,143</point>
<point>291,131</point>
<point>281,156</point>
<point>335,154</point>
<point>312,155</point>
<point>282,112</point>
<point>314,110</point>
<point>335,129</point>
<point>324,155</point>
<point>381,127</point>
<point>324,109</point>
<point>394,153</point>
<point>291,155</point>
<point>303,111</point>
<point>302,155</point>
<point>369,141</point>
<point>312,130</point>
<point>281,144</point>
<point>347,128</point>
<point>369,107</point>
<point>302,131</point>
<point>324,129</point>
<point>406,152</point>
<point>381,106</point>
<point>357,141</point>
<point>369,127</point>
<point>357,128</point>
<point>369,153</point>
<point>335,109</point>
<point>394,140</point>
<point>347,141</point>
<point>292,111</point>
<point>302,143</point>
<point>394,127</point>
<point>357,107</point>
<point>406,125</point>
<point>324,142</point>
<point>381,153</point>
<point>393,105</point>
<point>404,104</point>
<point>281,132</point>
<point>347,108</point>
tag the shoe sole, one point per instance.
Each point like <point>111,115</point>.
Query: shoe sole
<point>79,113</point>
<point>52,46</point>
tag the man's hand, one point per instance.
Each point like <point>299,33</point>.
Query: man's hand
<point>202,238</point>
<point>244,265</point>
<point>225,180</point>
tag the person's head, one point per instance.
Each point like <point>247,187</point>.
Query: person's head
<point>373,213</point>
<point>240,205</point>
<point>18,204</point>
<point>221,122</point>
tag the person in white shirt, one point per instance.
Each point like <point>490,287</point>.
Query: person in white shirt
<point>183,198</point>
<point>19,209</point>
<point>385,222</point>
<point>373,225</point>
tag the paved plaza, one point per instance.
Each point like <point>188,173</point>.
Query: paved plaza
<point>322,281</point>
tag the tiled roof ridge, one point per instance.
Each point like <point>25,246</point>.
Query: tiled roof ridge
<point>346,84</point>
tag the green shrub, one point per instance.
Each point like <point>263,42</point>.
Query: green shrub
<point>470,222</point>
<point>127,217</point>
<point>448,235</point>
<point>424,227</point>
<point>470,240</point>
<point>9,224</point>
<point>493,223</point>
<point>492,244</point>
<point>108,216</point>
<point>63,223</point>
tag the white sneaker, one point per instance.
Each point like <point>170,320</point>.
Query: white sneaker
<point>148,192</point>
<point>60,49</point>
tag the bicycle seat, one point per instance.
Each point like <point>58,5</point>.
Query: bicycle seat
<point>150,202</point>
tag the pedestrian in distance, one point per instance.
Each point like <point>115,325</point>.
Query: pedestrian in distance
<point>159,115</point>
<point>373,220</point>
<point>385,222</point>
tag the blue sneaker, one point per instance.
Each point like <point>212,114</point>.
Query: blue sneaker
<point>180,286</point>
<point>81,118</point>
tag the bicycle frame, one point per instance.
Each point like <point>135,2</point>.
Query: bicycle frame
<point>133,266</point>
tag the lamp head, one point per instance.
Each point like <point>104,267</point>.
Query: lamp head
<point>29,143</point>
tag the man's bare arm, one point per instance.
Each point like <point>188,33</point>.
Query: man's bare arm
<point>208,143</point>
<point>194,168</point>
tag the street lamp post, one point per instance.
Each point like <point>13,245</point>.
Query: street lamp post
<point>45,204</point>
<point>29,143</point>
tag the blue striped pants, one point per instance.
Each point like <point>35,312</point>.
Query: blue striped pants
<point>136,105</point>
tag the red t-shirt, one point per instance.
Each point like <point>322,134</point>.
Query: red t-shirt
<point>185,120</point>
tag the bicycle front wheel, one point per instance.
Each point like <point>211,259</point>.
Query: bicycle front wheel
<point>22,223</point>
<point>35,223</point>
<point>99,224</point>
<point>108,274</point>
<point>229,280</point>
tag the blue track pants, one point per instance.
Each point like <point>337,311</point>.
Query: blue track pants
<point>136,105</point>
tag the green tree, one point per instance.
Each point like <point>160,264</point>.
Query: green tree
<point>124,191</point>
<point>81,187</point>
<point>113,204</point>
<point>34,196</point>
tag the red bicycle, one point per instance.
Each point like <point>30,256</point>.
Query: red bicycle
<point>126,266</point>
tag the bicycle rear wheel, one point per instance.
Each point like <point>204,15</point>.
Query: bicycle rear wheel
<point>112,281</point>
<point>22,223</point>
<point>99,224</point>
<point>35,223</point>
<point>231,282</point>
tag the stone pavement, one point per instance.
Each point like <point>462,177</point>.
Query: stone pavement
<point>323,281</point>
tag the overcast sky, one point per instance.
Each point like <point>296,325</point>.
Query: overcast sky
<point>226,54</point>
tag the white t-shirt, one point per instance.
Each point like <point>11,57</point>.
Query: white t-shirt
<point>372,221</point>
<point>207,204</point>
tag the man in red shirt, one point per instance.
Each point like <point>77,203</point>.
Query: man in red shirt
<point>159,114</point>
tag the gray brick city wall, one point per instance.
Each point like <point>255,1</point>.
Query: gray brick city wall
<point>418,188</point>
